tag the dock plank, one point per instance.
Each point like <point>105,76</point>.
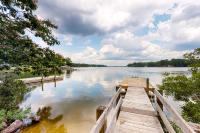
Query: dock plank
<point>135,82</point>
<point>137,123</point>
<point>137,100</point>
<point>137,114</point>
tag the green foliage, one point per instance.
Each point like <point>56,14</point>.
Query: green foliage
<point>193,59</point>
<point>2,117</point>
<point>162,63</point>
<point>16,48</point>
<point>17,20</point>
<point>12,115</point>
<point>17,114</point>
<point>11,93</point>
<point>181,87</point>
<point>13,25</point>
<point>176,128</point>
<point>68,62</point>
<point>186,88</point>
<point>191,111</point>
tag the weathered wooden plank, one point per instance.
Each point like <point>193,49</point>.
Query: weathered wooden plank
<point>138,122</point>
<point>135,82</point>
<point>137,101</point>
<point>139,117</point>
<point>128,129</point>
<point>139,111</point>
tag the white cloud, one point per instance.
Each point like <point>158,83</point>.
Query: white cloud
<point>117,21</point>
<point>113,52</point>
<point>101,15</point>
<point>182,31</point>
<point>65,39</point>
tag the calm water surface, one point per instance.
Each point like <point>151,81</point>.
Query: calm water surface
<point>70,106</point>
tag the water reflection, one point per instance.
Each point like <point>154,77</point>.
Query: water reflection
<point>47,124</point>
<point>78,95</point>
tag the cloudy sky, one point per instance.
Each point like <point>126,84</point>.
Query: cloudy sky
<point>117,32</point>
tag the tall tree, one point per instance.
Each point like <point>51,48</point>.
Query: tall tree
<point>17,18</point>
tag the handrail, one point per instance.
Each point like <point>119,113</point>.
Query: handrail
<point>195,126</point>
<point>113,119</point>
<point>164,119</point>
<point>179,121</point>
<point>99,123</point>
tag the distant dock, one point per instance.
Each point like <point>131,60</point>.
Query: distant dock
<point>131,111</point>
<point>36,80</point>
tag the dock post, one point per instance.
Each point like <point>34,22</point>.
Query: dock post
<point>158,101</point>
<point>99,111</point>
<point>147,86</point>
<point>117,87</point>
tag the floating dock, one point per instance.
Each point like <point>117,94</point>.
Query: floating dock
<point>131,111</point>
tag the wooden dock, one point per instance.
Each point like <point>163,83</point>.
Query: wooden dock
<point>131,111</point>
<point>36,80</point>
<point>137,114</point>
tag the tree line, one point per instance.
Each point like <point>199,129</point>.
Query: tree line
<point>87,65</point>
<point>162,63</point>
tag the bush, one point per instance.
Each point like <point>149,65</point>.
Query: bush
<point>11,93</point>
<point>2,117</point>
<point>12,115</point>
<point>17,114</point>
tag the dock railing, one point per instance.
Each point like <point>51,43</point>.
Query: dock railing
<point>101,125</point>
<point>161,102</point>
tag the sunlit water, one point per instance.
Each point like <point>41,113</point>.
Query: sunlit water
<point>71,105</point>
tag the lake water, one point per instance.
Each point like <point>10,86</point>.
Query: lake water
<point>70,106</point>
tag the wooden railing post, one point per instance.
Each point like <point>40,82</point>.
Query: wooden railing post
<point>147,83</point>
<point>147,86</point>
<point>158,101</point>
<point>99,111</point>
<point>117,88</point>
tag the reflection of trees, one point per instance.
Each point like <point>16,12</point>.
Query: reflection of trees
<point>46,125</point>
<point>69,72</point>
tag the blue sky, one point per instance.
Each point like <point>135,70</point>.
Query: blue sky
<point>116,32</point>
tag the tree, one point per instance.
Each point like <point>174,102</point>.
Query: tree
<point>11,93</point>
<point>16,48</point>
<point>186,88</point>
<point>17,20</point>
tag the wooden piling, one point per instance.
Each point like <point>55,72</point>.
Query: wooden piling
<point>99,111</point>
<point>117,87</point>
<point>158,101</point>
<point>147,86</point>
